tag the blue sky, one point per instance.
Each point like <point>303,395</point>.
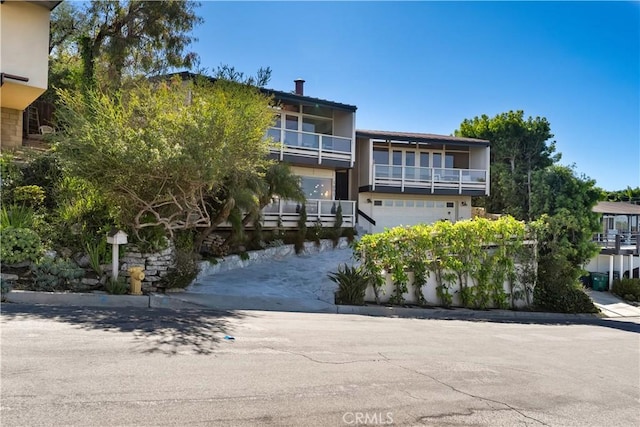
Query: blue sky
<point>426,66</point>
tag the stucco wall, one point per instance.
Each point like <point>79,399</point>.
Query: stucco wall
<point>24,39</point>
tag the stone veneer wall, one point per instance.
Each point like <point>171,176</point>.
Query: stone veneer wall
<point>10,128</point>
<point>156,265</point>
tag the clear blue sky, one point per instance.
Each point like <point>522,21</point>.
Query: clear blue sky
<point>426,66</point>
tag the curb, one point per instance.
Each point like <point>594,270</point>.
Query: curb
<point>459,313</point>
<point>173,302</point>
<point>77,299</point>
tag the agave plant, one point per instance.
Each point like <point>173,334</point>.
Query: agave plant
<point>352,284</point>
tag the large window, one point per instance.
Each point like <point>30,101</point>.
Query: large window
<point>317,188</point>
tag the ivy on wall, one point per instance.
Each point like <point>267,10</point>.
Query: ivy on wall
<point>478,256</point>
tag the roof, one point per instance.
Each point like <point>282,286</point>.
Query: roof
<point>277,94</point>
<point>48,4</point>
<point>419,137</point>
<point>617,208</point>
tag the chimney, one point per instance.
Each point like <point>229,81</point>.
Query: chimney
<point>299,86</point>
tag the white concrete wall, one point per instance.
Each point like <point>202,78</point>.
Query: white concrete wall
<point>429,292</point>
<point>24,51</point>
<point>478,158</point>
<point>363,165</point>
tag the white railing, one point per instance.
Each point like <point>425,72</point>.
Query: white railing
<point>608,240</point>
<point>308,144</point>
<point>429,178</point>
<point>288,213</point>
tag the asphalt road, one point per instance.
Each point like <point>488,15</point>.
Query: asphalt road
<point>105,367</point>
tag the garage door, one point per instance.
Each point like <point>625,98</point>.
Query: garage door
<point>390,213</point>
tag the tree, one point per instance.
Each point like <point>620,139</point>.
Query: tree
<point>120,38</point>
<point>519,147</point>
<point>564,203</point>
<point>158,156</point>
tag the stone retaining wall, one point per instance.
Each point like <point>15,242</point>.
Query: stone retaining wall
<point>156,265</point>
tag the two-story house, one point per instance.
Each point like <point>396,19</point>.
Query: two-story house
<point>317,138</point>
<point>410,178</point>
<point>24,50</point>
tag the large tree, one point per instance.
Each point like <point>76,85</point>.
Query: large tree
<point>519,147</point>
<point>159,150</point>
<point>122,38</point>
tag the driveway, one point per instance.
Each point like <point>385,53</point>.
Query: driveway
<point>295,283</point>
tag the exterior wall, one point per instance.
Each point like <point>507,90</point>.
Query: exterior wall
<point>478,158</point>
<point>600,263</point>
<point>10,128</point>
<point>24,38</point>
<point>343,124</point>
<point>410,215</point>
<point>363,161</point>
<point>319,172</point>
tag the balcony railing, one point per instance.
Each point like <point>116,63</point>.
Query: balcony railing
<point>429,178</point>
<point>608,240</point>
<point>324,211</point>
<point>314,145</point>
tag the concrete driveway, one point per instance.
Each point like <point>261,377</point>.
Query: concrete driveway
<point>295,283</point>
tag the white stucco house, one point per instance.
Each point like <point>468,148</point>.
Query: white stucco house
<point>24,59</point>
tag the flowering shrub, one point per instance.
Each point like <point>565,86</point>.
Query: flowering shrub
<point>476,256</point>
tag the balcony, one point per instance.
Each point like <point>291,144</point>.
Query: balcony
<point>323,211</point>
<point>312,145</point>
<point>409,177</point>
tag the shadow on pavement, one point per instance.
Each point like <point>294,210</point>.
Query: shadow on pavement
<point>622,325</point>
<point>157,330</point>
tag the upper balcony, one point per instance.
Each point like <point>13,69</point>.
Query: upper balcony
<point>406,178</point>
<point>322,149</point>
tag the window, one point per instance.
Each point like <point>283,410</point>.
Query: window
<point>388,203</point>
<point>315,125</point>
<point>318,111</point>
<point>398,203</point>
<point>428,204</point>
<point>409,203</point>
<point>292,122</point>
<point>377,203</point>
<point>317,188</point>
<point>450,204</point>
<point>440,205</point>
<point>437,160</point>
<point>419,203</point>
<point>380,156</point>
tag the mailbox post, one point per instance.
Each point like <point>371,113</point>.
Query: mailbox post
<point>116,238</point>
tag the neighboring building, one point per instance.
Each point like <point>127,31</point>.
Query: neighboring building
<point>410,178</point>
<point>24,39</point>
<point>619,240</point>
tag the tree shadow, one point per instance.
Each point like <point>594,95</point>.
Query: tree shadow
<point>155,330</point>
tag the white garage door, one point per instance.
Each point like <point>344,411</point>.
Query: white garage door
<point>389,213</point>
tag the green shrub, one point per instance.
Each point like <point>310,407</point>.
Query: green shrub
<point>186,266</point>
<point>626,288</point>
<point>17,216</point>
<point>352,284</point>
<point>29,195</point>
<point>55,275</point>
<point>562,299</point>
<point>98,254</point>
<point>349,233</point>
<point>302,230</point>
<point>18,245</point>
<point>117,287</point>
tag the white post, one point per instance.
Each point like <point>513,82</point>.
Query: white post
<point>631,266</point>
<point>610,271</point>
<point>115,263</point>
<point>621,265</point>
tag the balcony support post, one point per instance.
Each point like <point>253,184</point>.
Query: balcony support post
<point>460,181</point>
<point>402,174</point>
